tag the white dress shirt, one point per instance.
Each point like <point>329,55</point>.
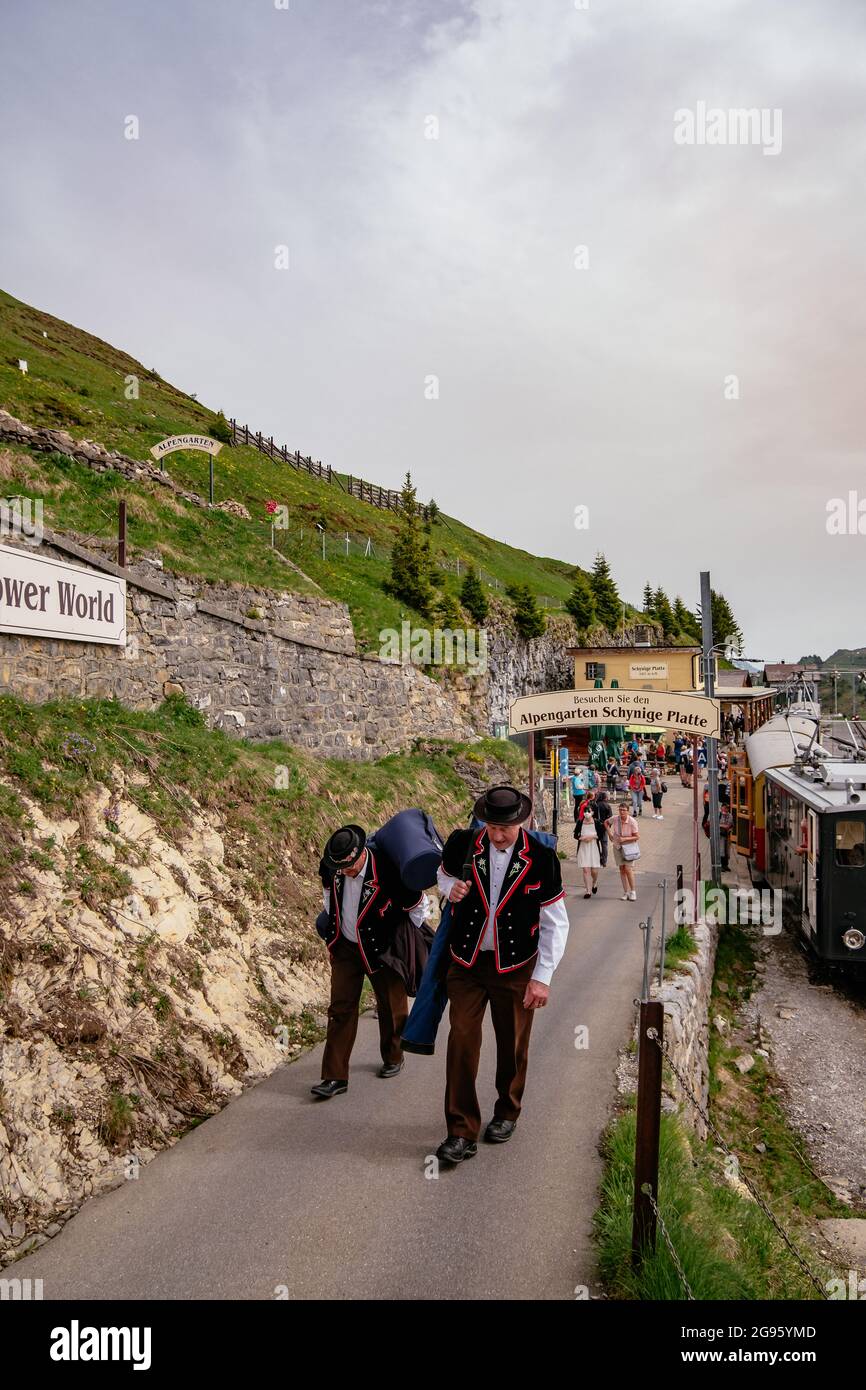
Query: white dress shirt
<point>552,922</point>
<point>352,889</point>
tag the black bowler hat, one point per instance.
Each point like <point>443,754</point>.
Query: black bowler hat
<point>503,805</point>
<point>344,847</point>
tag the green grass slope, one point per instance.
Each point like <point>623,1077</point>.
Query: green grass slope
<point>77,382</point>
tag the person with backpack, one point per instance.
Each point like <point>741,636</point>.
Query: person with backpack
<point>657,787</point>
<point>686,766</point>
<point>365,902</point>
<point>604,813</point>
<point>637,786</point>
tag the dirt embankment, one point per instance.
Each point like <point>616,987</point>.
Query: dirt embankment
<point>157,949</point>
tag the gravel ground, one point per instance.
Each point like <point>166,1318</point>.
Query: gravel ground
<point>817,1040</point>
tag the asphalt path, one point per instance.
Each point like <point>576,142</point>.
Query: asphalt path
<point>283,1196</point>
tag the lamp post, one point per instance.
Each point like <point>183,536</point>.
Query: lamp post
<point>711,743</point>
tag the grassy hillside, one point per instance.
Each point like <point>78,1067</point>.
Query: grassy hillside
<point>77,382</point>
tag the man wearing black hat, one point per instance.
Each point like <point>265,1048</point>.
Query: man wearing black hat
<point>365,901</point>
<point>508,933</point>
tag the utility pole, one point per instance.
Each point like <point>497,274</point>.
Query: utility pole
<point>711,743</point>
<point>121,533</point>
<point>556,740</point>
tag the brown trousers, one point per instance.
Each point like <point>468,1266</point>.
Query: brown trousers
<point>347,981</point>
<point>470,988</point>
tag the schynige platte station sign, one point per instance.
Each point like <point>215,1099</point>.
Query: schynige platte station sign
<point>43,597</point>
<point>561,709</point>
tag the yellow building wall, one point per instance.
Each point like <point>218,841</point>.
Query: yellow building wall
<point>643,668</point>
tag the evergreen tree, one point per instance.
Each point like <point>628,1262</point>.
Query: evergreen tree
<point>683,619</point>
<point>608,607</point>
<point>220,428</point>
<point>725,626</point>
<point>448,612</point>
<point>528,617</point>
<point>581,602</point>
<point>411,561</point>
<point>648,599</point>
<point>473,597</point>
<point>663,613</point>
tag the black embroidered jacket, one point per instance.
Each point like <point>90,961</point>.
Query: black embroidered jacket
<point>533,880</point>
<point>384,902</point>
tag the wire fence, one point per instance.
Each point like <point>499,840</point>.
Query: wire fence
<point>313,541</point>
<point>649,1104</point>
<point>654,1038</point>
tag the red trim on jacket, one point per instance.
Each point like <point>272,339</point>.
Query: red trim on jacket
<point>522,854</point>
<point>551,901</point>
<point>527,858</point>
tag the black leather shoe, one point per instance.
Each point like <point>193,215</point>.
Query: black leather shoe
<point>499,1131</point>
<point>325,1089</point>
<point>391,1068</point>
<point>455,1149</point>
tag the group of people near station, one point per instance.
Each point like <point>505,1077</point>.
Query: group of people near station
<point>638,777</point>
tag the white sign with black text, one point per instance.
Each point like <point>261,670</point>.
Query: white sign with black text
<point>44,597</point>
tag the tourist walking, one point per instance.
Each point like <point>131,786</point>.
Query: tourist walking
<point>588,851</point>
<point>726,823</point>
<point>657,787</point>
<point>686,766</point>
<point>637,787</point>
<point>605,811</point>
<point>625,836</point>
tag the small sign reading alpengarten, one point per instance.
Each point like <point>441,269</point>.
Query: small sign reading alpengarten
<point>186,441</point>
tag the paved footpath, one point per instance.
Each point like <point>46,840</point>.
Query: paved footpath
<point>330,1200</point>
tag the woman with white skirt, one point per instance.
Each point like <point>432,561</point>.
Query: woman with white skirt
<point>588,855</point>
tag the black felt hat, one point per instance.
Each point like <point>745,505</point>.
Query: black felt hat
<point>344,847</point>
<point>503,805</point>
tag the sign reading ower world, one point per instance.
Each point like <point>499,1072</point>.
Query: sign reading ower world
<point>694,714</point>
<point>44,597</point>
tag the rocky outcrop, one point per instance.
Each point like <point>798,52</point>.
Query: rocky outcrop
<point>129,1011</point>
<point>13,431</point>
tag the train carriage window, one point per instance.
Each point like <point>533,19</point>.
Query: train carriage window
<point>851,844</point>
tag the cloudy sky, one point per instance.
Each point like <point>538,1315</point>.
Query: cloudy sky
<point>432,168</point>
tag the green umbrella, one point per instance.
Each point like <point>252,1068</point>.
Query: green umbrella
<point>608,737</point>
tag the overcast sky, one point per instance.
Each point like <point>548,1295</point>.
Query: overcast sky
<point>454,257</point>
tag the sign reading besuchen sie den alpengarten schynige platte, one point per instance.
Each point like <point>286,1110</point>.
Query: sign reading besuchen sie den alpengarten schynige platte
<point>44,597</point>
<point>698,714</point>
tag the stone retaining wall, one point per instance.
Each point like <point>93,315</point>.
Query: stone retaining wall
<point>686,1001</point>
<point>294,676</point>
